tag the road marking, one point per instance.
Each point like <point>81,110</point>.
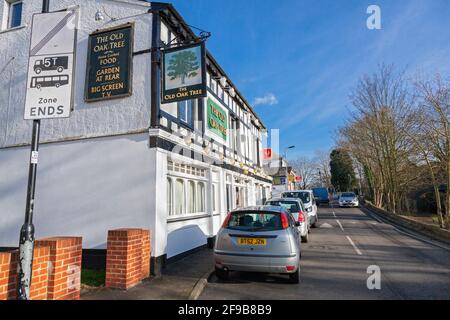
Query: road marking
<point>340,225</point>
<point>354,246</point>
<point>326,226</point>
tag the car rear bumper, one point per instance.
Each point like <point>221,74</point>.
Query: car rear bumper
<point>349,204</point>
<point>256,263</point>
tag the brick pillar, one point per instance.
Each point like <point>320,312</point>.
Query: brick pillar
<point>64,280</point>
<point>9,263</point>
<point>146,249</point>
<point>39,282</point>
<point>8,275</point>
<point>124,258</point>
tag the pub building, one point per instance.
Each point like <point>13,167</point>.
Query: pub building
<point>128,155</point>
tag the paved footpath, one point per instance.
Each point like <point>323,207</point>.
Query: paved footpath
<point>176,283</point>
<point>335,261</point>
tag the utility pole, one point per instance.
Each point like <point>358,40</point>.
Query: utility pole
<point>26,243</point>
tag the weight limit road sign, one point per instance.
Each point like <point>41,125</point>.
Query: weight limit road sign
<point>50,66</point>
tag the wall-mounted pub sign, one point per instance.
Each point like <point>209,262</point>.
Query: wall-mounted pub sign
<point>110,64</point>
<point>217,119</point>
<point>184,73</point>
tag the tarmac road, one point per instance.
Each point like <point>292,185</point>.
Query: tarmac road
<point>335,264</point>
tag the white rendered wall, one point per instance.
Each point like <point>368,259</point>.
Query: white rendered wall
<point>131,114</point>
<point>84,188</point>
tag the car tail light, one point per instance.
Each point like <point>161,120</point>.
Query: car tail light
<point>301,217</point>
<point>284,221</point>
<point>227,219</point>
<point>290,268</point>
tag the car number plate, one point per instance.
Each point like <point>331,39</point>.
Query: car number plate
<point>252,242</point>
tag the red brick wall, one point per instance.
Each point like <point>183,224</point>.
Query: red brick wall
<point>146,249</point>
<point>9,278</point>
<point>127,261</point>
<point>64,279</point>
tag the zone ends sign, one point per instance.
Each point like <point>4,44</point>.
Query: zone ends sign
<point>50,65</point>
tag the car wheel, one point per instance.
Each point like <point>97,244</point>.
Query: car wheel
<point>316,223</point>
<point>305,239</point>
<point>222,274</point>
<point>295,277</point>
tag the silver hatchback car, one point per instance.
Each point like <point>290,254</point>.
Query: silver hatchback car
<point>258,239</point>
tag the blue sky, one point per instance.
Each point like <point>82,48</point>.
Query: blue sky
<point>298,60</point>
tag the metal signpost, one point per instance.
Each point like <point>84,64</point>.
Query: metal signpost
<point>48,95</point>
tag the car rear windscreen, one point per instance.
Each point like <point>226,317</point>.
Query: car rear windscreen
<point>292,206</point>
<point>348,195</point>
<point>255,221</point>
<point>302,195</point>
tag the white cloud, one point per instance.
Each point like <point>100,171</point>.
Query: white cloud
<point>268,99</point>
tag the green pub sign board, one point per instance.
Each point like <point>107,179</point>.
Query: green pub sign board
<point>109,67</point>
<point>217,120</point>
<point>183,73</point>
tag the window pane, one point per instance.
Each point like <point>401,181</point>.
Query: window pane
<point>179,197</point>
<point>200,197</point>
<point>214,197</point>
<point>169,197</point>
<point>16,14</point>
<point>185,111</point>
<point>191,197</point>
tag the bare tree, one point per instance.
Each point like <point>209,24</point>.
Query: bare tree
<point>375,135</point>
<point>306,168</point>
<point>322,162</point>
<point>432,137</point>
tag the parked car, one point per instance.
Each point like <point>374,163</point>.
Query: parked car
<point>348,199</point>
<point>258,239</point>
<point>297,209</point>
<point>309,201</point>
<point>321,195</point>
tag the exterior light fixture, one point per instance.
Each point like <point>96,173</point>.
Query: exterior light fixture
<point>232,92</point>
<point>188,139</point>
<point>206,147</point>
<point>99,16</point>
<point>223,81</point>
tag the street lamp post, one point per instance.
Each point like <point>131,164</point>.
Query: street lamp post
<point>287,174</point>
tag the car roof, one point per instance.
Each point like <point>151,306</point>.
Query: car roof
<point>285,199</point>
<point>298,191</point>
<point>260,208</point>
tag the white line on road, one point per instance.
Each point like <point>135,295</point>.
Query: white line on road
<point>340,225</point>
<point>354,246</point>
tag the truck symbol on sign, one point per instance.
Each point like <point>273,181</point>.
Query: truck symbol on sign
<point>50,64</point>
<point>50,81</point>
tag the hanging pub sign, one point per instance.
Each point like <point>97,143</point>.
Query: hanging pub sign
<point>217,120</point>
<point>110,64</point>
<point>184,73</point>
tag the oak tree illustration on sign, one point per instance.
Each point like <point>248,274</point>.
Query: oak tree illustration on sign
<point>183,65</point>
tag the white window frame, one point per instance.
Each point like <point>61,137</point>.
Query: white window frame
<point>10,4</point>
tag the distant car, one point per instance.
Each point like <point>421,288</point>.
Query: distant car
<point>309,202</point>
<point>258,239</point>
<point>348,199</point>
<point>321,195</point>
<point>297,209</point>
